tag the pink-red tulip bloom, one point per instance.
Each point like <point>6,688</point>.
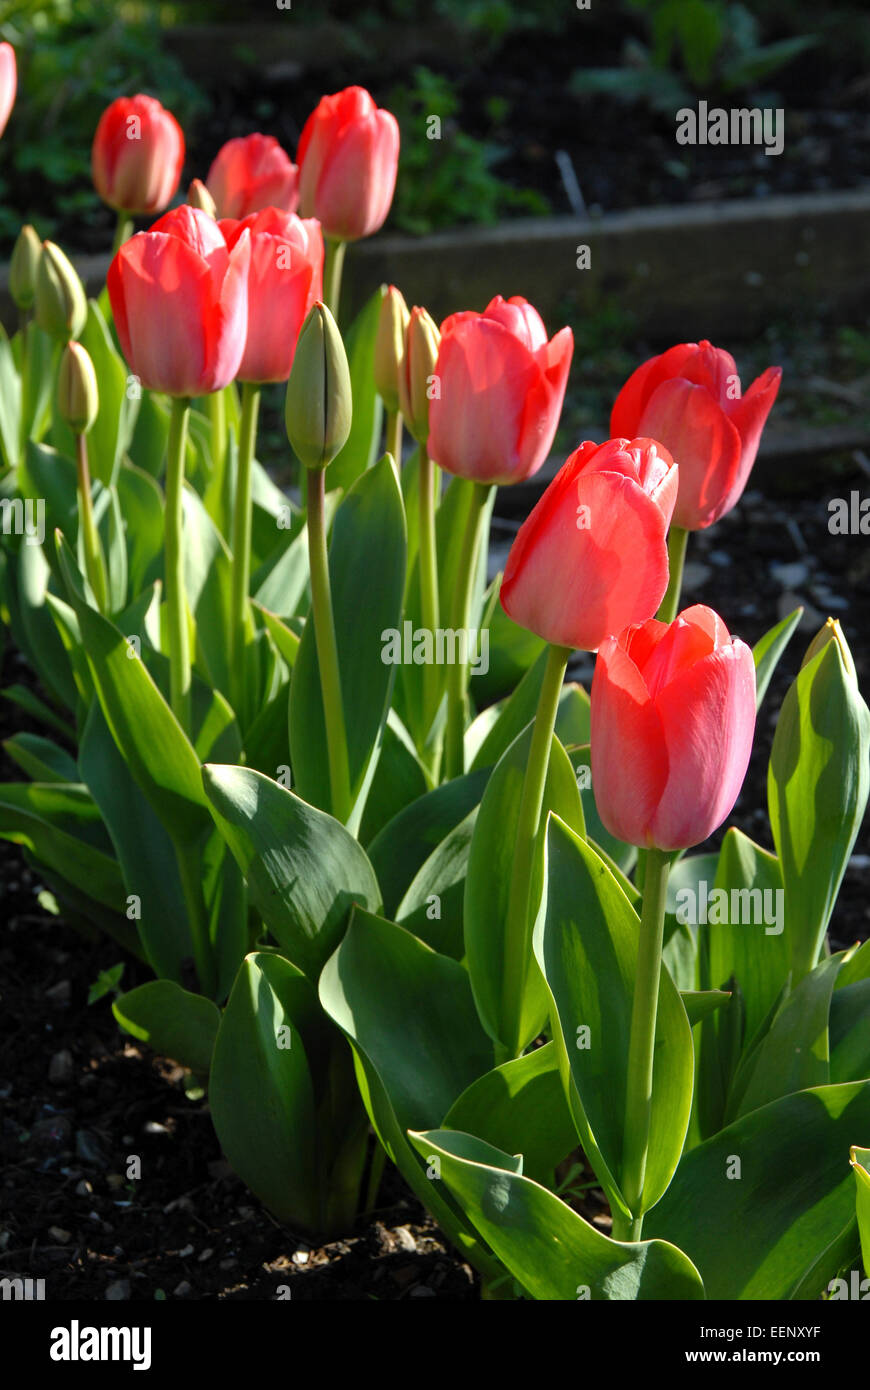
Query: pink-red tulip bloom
<point>348,159</point>
<point>499,387</point>
<point>180,303</point>
<point>137,155</point>
<point>690,398</point>
<point>8,82</point>
<point>592,555</point>
<point>250,173</point>
<point>284,280</point>
<point>673,716</point>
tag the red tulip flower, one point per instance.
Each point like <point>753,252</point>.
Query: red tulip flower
<point>8,82</point>
<point>673,716</point>
<point>137,155</point>
<point>592,556</point>
<point>252,173</point>
<point>180,303</point>
<point>348,159</point>
<point>500,388</point>
<point>284,281</point>
<point>690,398</point>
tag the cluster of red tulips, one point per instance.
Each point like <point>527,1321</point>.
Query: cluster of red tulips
<point>294,835</point>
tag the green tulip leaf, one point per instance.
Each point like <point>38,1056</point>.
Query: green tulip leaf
<point>305,871</point>
<point>520,1107</point>
<point>550,1250</point>
<point>586,943</point>
<point>766,1208</point>
<point>172,1021</point>
<point>367,549</point>
<point>488,884</point>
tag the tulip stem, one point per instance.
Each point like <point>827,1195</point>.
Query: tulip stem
<point>217,414</point>
<point>95,566</point>
<point>518,924</point>
<point>241,628</point>
<point>327,647</point>
<point>639,1084</point>
<point>457,674</point>
<point>670,605</point>
<point>333,264</point>
<point>393,438</point>
<point>123,232</point>
<point>190,875</point>
<point>429,581</point>
<point>176,601</point>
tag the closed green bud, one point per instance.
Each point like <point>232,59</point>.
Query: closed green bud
<point>23,267</point>
<point>390,345</point>
<point>831,632</point>
<point>319,406</point>
<point>78,398</point>
<point>61,305</point>
<point>422,342</point>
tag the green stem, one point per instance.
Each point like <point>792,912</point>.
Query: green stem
<point>95,567</point>
<point>24,426</point>
<point>176,602</point>
<point>670,605</point>
<point>394,437</point>
<point>241,629</point>
<point>457,674</point>
<point>332,267</point>
<point>376,1173</point>
<point>638,1098</point>
<point>518,927</point>
<point>191,888</point>
<point>327,647</point>
<point>428,581</point>
<point>217,414</point>
<point>123,232</point>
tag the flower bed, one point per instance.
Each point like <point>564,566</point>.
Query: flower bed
<point>396,891</point>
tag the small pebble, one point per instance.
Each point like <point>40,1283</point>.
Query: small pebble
<point>119,1291</point>
<point>115,1180</point>
<point>60,1068</point>
<point>422,1291</point>
<point>181,1290</point>
<point>58,1234</point>
<point>186,1252</point>
<point>300,1257</point>
<point>205,1255</point>
<point>792,575</point>
<point>154,1127</point>
<point>405,1239</point>
<point>59,994</point>
<point>695,575</point>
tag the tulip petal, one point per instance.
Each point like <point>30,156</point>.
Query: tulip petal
<point>749,415</point>
<point>704,444</point>
<point>160,291</point>
<point>357,180</point>
<point>644,380</point>
<point>707,714</point>
<point>628,757</point>
<point>475,425</point>
<point>600,547</point>
<point>227,323</point>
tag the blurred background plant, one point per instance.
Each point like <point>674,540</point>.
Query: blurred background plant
<point>74,57</point>
<point>450,179</point>
<point>693,46</point>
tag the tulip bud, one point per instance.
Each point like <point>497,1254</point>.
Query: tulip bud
<point>198,196</point>
<point>422,341</point>
<point>319,407</point>
<point>22,270</point>
<point>390,346</point>
<point>78,399</point>
<point>831,632</point>
<point>61,305</point>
